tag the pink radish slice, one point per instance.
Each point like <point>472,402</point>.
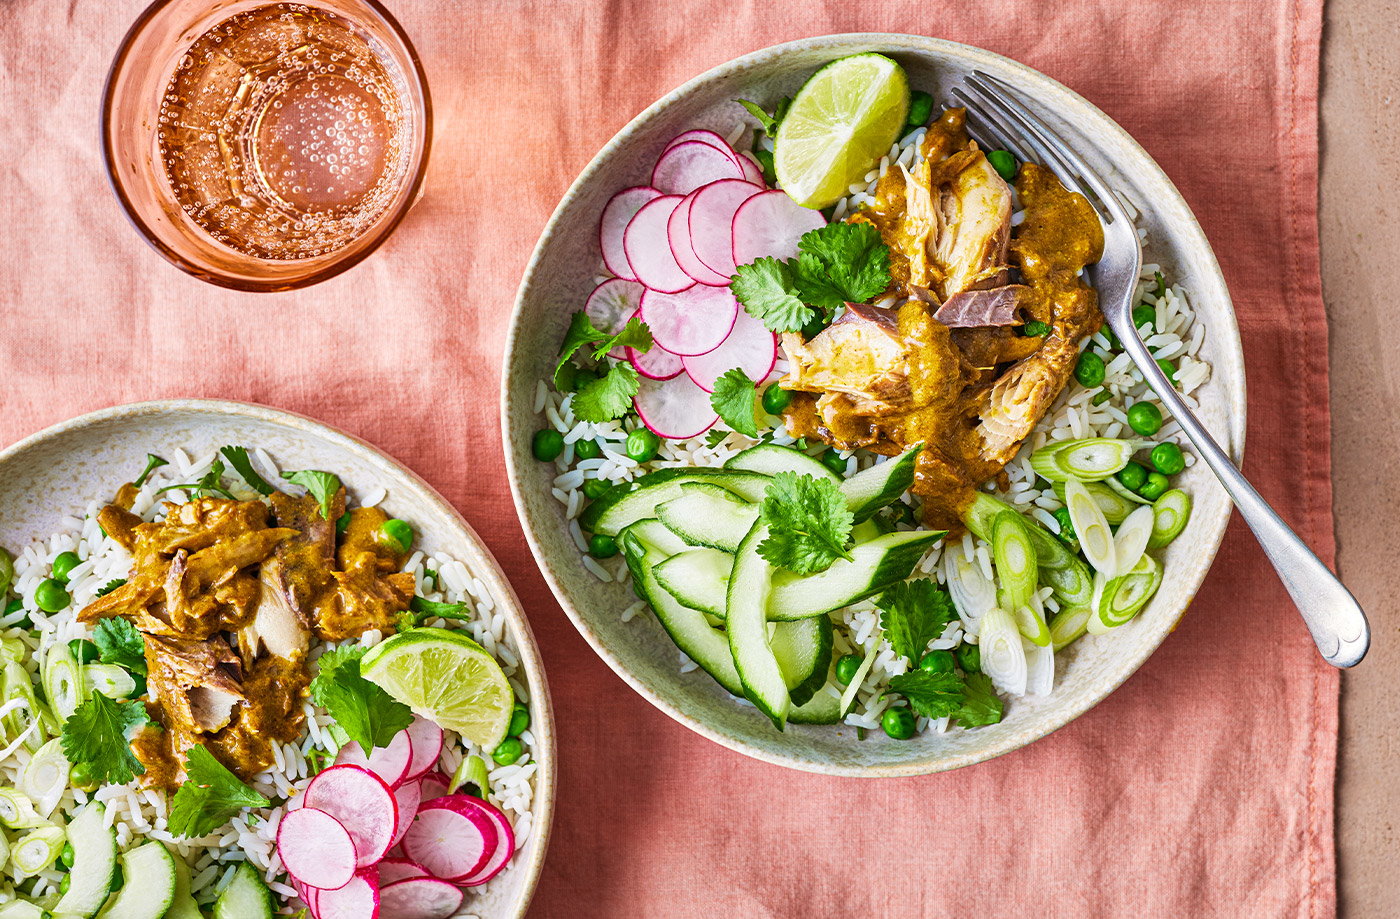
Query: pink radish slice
<point>308,894</point>
<point>616,215</point>
<point>363,804</point>
<point>425,735</point>
<point>656,364</point>
<point>389,763</point>
<point>676,409</point>
<point>407,797</point>
<point>712,222</point>
<point>450,840</point>
<point>752,171</point>
<point>419,898</point>
<point>611,304</point>
<point>704,137</point>
<point>685,167</point>
<point>678,234</point>
<point>431,786</point>
<point>316,849</point>
<point>504,850</point>
<point>750,347</point>
<point>400,869</point>
<point>691,322</point>
<point>358,899</point>
<point>770,225</point>
<point>648,249</point>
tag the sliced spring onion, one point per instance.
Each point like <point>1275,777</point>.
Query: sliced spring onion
<point>1014,557</point>
<point>1040,668</point>
<point>1050,553</point>
<point>1073,584</point>
<point>12,649</point>
<point>1124,597</point>
<point>1123,491</point>
<point>1170,513</point>
<point>472,770</point>
<point>45,777</point>
<point>29,716</point>
<point>1088,460</point>
<point>1003,658</point>
<point>848,697</point>
<point>110,680</point>
<point>35,851</point>
<point>1069,625</point>
<point>1115,507</point>
<point>972,591</point>
<point>1095,536</point>
<point>5,856</point>
<point>17,811</point>
<point>981,512</point>
<point>63,681</point>
<point>1030,620</point>
<point>1130,542</point>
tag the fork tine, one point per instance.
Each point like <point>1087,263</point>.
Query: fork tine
<point>988,126</point>
<point>1003,109</point>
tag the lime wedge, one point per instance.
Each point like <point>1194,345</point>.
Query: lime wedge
<point>448,679</point>
<point>842,120</point>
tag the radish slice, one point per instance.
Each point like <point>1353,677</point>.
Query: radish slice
<point>400,869</point>
<point>691,322</point>
<point>363,804</point>
<point>656,364</point>
<point>359,899</point>
<point>450,840</point>
<point>712,222</point>
<point>750,347</point>
<point>611,304</point>
<point>616,215</point>
<point>407,797</point>
<point>308,894</point>
<point>685,167</point>
<point>676,409</point>
<point>432,786</point>
<point>419,898</point>
<point>427,736</point>
<point>504,850</point>
<point>389,763</point>
<point>770,225</point>
<point>704,137</point>
<point>648,249</point>
<point>678,234</point>
<point>752,171</point>
<point>316,849</point>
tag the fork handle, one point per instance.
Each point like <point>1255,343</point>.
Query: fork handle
<point>1336,621</point>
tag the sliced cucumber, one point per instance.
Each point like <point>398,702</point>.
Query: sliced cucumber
<point>245,897</point>
<point>657,536</point>
<point>94,862</point>
<point>771,459</point>
<point>803,650</point>
<point>823,708</point>
<point>873,566</point>
<point>63,681</point>
<point>708,515</point>
<point>871,489</point>
<point>702,643</point>
<point>18,909</point>
<point>698,578</point>
<point>622,506</point>
<point>148,888</point>
<point>182,905</point>
<point>747,622</point>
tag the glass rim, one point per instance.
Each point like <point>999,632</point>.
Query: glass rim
<point>413,186</point>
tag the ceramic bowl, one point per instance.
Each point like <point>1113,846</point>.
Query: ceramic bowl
<point>56,472</point>
<point>562,272</point>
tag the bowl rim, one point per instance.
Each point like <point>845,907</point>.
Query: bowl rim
<point>1189,231</point>
<point>483,565</point>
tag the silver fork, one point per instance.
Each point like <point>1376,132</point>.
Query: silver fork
<point>996,118</point>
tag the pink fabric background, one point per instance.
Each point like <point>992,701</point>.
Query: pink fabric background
<point>1202,788</point>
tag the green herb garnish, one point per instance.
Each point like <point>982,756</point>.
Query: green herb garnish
<point>809,525</point>
<point>841,263</point>
<point>110,586</point>
<point>153,462</point>
<point>769,294</point>
<point>582,332</point>
<point>933,695</point>
<point>609,396</point>
<point>210,483</point>
<point>368,715</point>
<point>981,705</point>
<point>322,485</point>
<point>118,642</point>
<point>210,796</point>
<point>734,399</point>
<point>429,609</point>
<point>914,613</point>
<point>96,735</point>
<point>238,458</point>
<point>768,122</point>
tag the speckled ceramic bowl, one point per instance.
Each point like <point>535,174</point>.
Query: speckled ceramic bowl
<point>58,471</point>
<point>561,273</point>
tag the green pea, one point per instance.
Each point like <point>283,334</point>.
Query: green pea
<point>600,546</point>
<point>63,565</point>
<point>1155,486</point>
<point>846,668</point>
<point>582,378</point>
<point>833,461</point>
<point>342,523</point>
<point>1145,418</point>
<point>1035,328</point>
<point>80,774</point>
<point>548,444</point>
<point>898,723</point>
<point>1101,397</point>
<point>1004,163</point>
<point>642,445</point>
<point>64,884</point>
<point>1090,369</point>
<point>1144,315</point>
<point>587,449</point>
<point>396,534</point>
<point>519,720</point>
<point>1113,342</point>
<point>776,399</point>
<point>969,657</point>
<point>83,651</point>
<point>1132,476</point>
<point>65,857</point>
<point>1169,369</point>
<point>50,596</point>
<point>508,751</point>
<point>920,108</point>
<point>1168,459</point>
<point>938,662</point>
<point>594,489</point>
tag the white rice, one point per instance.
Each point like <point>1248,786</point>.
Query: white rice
<point>138,814</point>
<point>1176,337</point>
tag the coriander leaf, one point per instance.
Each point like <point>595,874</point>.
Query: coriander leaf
<point>211,483</point>
<point>765,120</point>
<point>914,614</point>
<point>981,705</point>
<point>933,695</point>
<point>368,715</point>
<point>808,523</point>
<point>609,396</point>
<point>210,796</point>
<point>238,459</point>
<point>714,438</point>
<point>733,400</point>
<point>153,462</point>
<point>119,643</point>
<point>841,262</point>
<point>95,734</point>
<point>581,332</point>
<point>766,289</point>
<point>427,609</point>
<point>322,485</point>
<point>635,335</point>
<point>110,586</point>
